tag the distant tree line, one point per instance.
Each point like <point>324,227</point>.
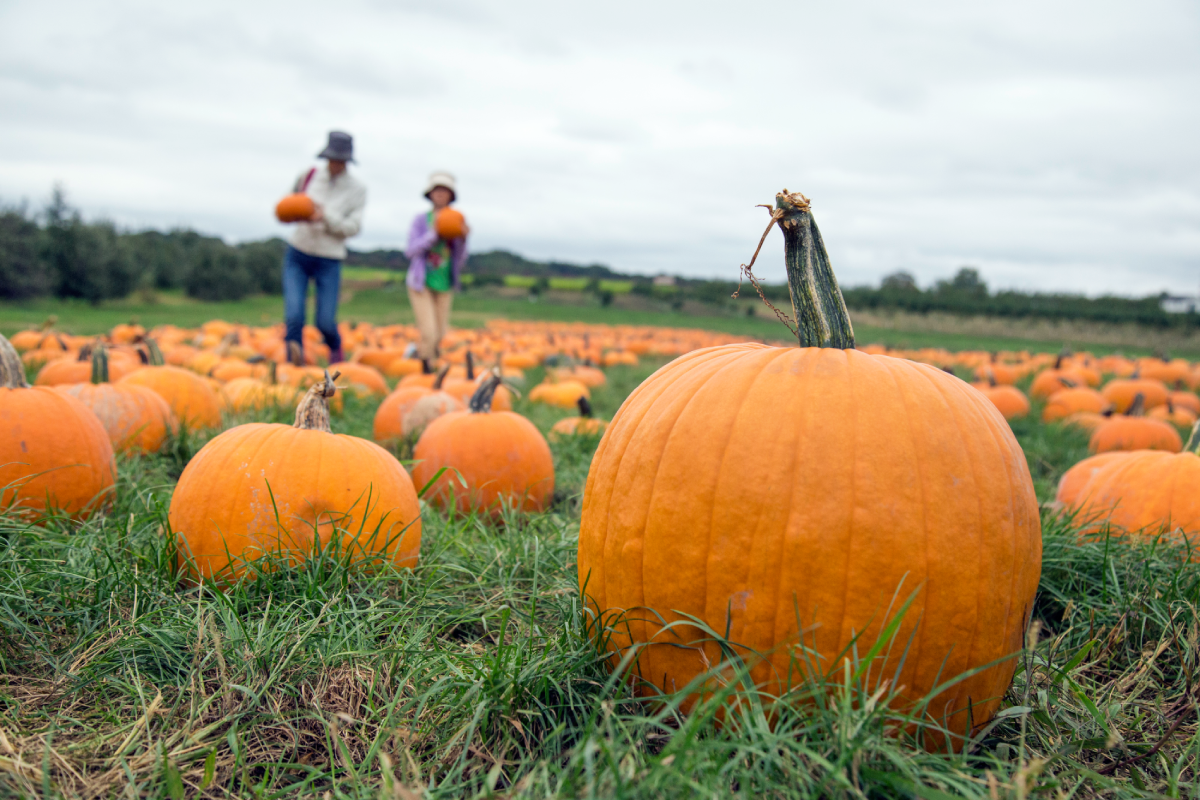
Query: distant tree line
<point>57,253</point>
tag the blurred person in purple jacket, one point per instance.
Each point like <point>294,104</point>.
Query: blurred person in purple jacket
<point>435,267</point>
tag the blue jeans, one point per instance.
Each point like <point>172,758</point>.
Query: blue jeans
<point>326,273</point>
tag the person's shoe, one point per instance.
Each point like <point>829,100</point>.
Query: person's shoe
<point>336,356</point>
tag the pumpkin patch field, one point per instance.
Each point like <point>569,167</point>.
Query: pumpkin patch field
<point>581,560</point>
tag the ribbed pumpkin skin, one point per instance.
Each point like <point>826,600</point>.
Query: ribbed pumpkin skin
<point>770,480</point>
<point>136,418</point>
<point>222,499</point>
<point>501,455</point>
<point>191,397</point>
<point>1145,491</point>
<point>57,439</point>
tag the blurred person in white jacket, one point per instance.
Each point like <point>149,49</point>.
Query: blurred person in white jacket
<point>318,246</point>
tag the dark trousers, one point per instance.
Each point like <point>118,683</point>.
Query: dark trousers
<point>326,273</point>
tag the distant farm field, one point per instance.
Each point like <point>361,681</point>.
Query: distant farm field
<point>385,301</point>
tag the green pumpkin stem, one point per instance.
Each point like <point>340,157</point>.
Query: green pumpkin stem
<point>153,354</point>
<point>481,401</point>
<point>313,412</point>
<point>817,304</point>
<point>100,364</point>
<point>12,370</point>
<point>1193,442</point>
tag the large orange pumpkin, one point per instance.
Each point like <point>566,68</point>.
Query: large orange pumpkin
<point>137,419</point>
<point>260,489</point>
<point>1073,485</point>
<point>191,397</point>
<point>768,490</point>
<point>501,457</point>
<point>54,453</point>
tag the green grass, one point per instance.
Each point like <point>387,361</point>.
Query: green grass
<point>353,273</point>
<point>476,674</point>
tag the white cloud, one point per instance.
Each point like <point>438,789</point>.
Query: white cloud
<point>1051,145</point>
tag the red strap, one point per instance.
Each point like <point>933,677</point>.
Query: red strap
<point>307,179</point>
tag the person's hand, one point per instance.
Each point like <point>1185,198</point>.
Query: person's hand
<point>318,214</point>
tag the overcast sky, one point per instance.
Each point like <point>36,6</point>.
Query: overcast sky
<point>1055,145</point>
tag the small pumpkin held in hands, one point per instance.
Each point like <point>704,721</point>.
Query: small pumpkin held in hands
<point>764,491</point>
<point>285,490</point>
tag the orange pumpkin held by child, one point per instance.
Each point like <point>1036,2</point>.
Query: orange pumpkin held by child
<point>789,497</point>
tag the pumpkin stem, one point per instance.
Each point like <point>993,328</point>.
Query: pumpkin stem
<point>153,354</point>
<point>585,407</point>
<point>481,401</point>
<point>313,412</point>
<point>100,364</point>
<point>1137,406</point>
<point>426,367</point>
<point>1193,442</point>
<point>991,377</point>
<point>470,366</point>
<point>820,311</point>
<point>1067,382</point>
<point>12,370</point>
<point>441,377</point>
<point>272,373</point>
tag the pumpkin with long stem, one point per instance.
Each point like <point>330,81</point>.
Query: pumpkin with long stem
<point>1133,431</point>
<point>54,452</point>
<point>1144,491</point>
<point>290,490</point>
<point>192,398</point>
<point>493,459</point>
<point>137,419</point>
<point>790,500</point>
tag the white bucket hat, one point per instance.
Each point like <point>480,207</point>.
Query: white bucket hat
<point>443,179</point>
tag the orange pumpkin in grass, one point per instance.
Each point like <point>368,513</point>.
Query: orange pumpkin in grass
<point>464,387</point>
<point>1086,420</point>
<point>1178,416</point>
<point>501,457</point>
<point>54,452</point>
<point>363,380</point>
<point>786,496</point>
<point>1135,432</point>
<point>192,398</point>
<point>255,490</point>
<point>564,394</point>
<point>393,418</point>
<point>254,394</point>
<point>136,418</point>
<point>1074,400</point>
<point>79,369</point>
<point>1144,491</point>
<point>1187,400</point>
<point>583,425</point>
<point>1008,400</point>
<point>1122,391</point>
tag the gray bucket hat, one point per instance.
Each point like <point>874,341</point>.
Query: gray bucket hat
<point>339,148</point>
